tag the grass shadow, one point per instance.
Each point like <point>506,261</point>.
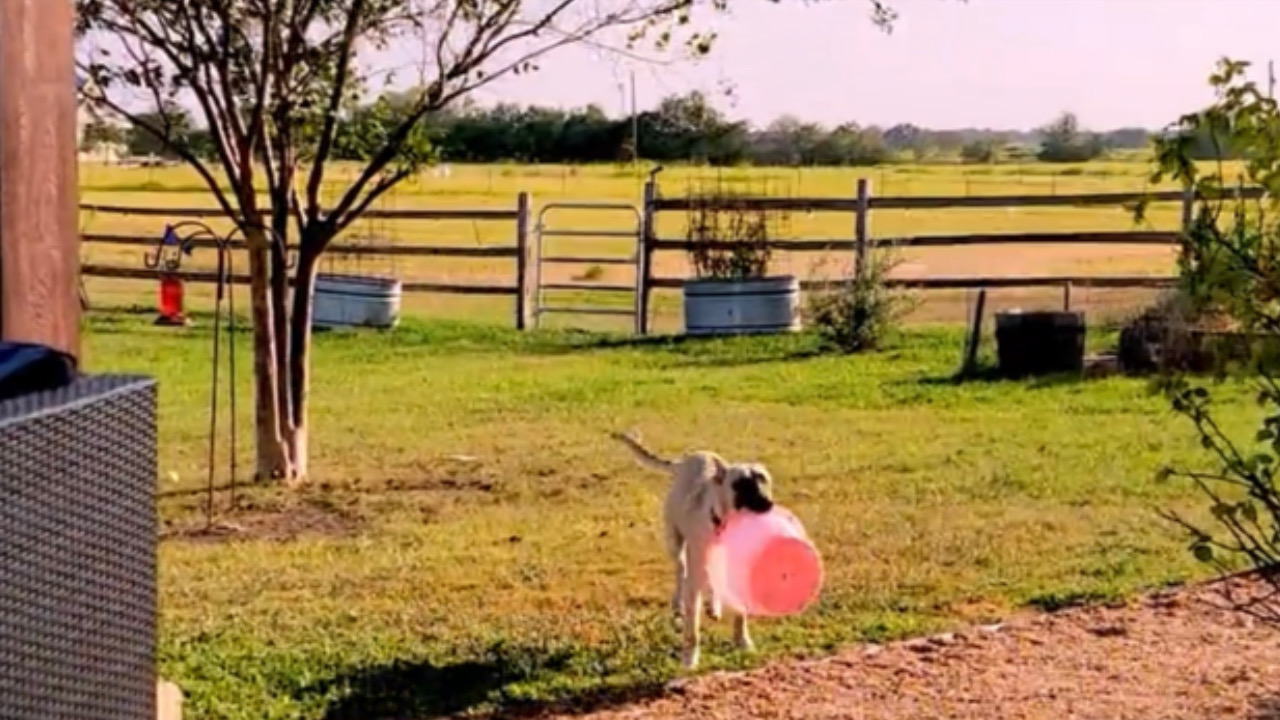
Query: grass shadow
<point>483,687</point>
<point>684,350</point>
<point>133,319</point>
<point>990,375</point>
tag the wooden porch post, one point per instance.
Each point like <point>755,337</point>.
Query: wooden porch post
<point>39,239</point>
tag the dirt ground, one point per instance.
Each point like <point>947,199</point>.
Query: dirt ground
<point>1178,654</point>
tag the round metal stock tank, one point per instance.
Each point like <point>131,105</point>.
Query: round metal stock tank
<point>356,301</point>
<point>742,307</point>
<point>1040,343</point>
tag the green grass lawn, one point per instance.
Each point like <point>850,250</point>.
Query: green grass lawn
<point>474,541</point>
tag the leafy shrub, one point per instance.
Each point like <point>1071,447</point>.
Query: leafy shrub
<point>861,312</point>
<point>1230,266</point>
<point>1172,335</point>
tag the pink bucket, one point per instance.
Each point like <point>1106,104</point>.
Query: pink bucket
<point>764,564</point>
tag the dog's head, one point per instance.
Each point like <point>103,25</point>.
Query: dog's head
<point>747,487</point>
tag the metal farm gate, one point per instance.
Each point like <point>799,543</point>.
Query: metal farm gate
<point>583,285</point>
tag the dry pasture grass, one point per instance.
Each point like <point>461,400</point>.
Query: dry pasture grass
<point>497,186</point>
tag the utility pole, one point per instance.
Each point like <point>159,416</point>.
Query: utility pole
<point>39,206</point>
<point>635,124</point>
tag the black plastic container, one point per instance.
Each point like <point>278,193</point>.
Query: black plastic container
<point>1040,343</point>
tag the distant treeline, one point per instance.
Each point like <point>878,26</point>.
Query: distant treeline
<point>682,128</point>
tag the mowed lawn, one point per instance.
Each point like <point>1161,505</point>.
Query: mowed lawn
<point>473,541</point>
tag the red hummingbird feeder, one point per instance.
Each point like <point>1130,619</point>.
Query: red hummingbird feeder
<point>172,296</point>
<point>171,301</point>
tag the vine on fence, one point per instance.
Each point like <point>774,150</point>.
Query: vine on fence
<point>727,237</point>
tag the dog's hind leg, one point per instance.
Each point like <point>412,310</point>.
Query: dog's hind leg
<point>741,637</point>
<point>676,549</point>
<point>694,584</point>
<point>715,608</point>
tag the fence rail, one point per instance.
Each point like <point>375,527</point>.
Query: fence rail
<point>373,213</point>
<point>924,202</point>
<point>860,205</point>
<point>482,251</point>
<point>208,276</point>
<point>967,283</point>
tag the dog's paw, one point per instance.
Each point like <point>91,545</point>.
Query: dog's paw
<point>715,610</point>
<point>745,644</point>
<point>689,659</point>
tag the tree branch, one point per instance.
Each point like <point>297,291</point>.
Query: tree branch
<point>381,187</point>
<point>181,151</point>
<point>329,130</point>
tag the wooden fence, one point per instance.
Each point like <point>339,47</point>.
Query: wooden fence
<point>517,252</point>
<point>859,206</point>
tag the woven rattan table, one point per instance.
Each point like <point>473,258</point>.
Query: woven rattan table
<point>78,552</point>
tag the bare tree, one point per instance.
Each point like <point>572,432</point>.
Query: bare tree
<point>271,81</point>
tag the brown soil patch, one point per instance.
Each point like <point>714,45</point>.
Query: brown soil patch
<point>1171,655</point>
<point>290,520</point>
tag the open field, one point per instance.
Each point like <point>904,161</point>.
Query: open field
<point>473,540</point>
<point>497,186</point>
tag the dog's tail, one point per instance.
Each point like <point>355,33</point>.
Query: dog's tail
<point>643,454</point>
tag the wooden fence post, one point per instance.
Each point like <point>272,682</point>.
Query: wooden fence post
<point>644,258</point>
<point>524,308</point>
<point>1188,208</point>
<point>860,227</point>
<point>1188,216</point>
<point>970,362</point>
<point>39,218</point>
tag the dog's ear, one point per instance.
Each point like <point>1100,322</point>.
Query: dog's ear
<point>720,470</point>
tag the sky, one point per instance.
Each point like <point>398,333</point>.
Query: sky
<point>947,64</point>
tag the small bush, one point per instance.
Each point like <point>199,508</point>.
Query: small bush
<point>980,152</point>
<point>593,272</point>
<point>1065,142</point>
<point>861,313</point>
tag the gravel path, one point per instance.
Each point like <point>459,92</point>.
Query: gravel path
<point>1172,655</point>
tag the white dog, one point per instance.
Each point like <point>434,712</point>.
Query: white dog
<point>704,491</point>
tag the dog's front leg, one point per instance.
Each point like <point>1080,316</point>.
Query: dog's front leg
<point>694,583</point>
<point>681,580</point>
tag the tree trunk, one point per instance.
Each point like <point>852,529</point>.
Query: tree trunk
<point>272,461</point>
<point>280,309</point>
<point>300,355</point>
